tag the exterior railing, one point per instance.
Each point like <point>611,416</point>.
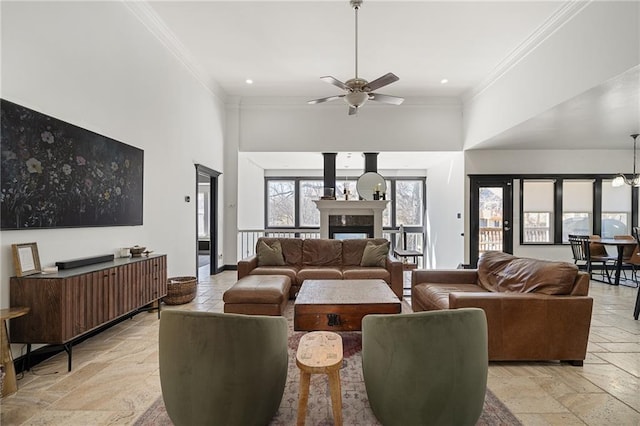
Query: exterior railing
<point>247,238</point>
<point>490,239</point>
<point>536,235</point>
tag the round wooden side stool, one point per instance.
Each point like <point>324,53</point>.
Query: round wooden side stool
<point>320,352</point>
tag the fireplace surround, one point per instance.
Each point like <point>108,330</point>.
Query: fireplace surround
<point>350,209</point>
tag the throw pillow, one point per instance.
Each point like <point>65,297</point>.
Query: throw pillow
<point>375,255</point>
<point>269,255</point>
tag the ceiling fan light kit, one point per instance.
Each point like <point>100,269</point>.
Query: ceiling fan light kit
<point>359,90</point>
<point>621,179</point>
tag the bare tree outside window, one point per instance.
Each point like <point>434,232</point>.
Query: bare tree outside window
<point>386,213</point>
<point>281,203</point>
<point>349,185</point>
<point>536,227</point>
<point>409,202</point>
<point>310,190</point>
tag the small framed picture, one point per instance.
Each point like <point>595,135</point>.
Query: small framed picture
<point>26,259</point>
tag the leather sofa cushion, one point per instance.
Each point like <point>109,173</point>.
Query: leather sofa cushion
<point>319,273</point>
<point>291,249</point>
<point>322,252</point>
<point>269,255</point>
<point>375,254</point>
<point>352,250</point>
<point>365,273</point>
<point>436,296</point>
<point>502,272</point>
<point>289,271</point>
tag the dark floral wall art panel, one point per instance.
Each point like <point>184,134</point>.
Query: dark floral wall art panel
<point>55,174</point>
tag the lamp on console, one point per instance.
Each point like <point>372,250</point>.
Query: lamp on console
<point>621,179</point>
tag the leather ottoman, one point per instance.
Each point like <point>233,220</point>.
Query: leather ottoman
<point>258,295</point>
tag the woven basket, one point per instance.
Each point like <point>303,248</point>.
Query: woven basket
<point>180,290</point>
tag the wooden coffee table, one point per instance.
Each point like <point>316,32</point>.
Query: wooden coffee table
<point>340,305</point>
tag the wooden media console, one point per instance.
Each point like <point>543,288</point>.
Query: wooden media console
<point>73,302</point>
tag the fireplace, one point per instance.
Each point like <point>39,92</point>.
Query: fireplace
<point>342,227</point>
<point>348,220</point>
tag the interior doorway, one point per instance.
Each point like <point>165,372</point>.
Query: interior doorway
<point>206,221</point>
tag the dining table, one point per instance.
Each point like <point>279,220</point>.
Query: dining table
<point>620,244</point>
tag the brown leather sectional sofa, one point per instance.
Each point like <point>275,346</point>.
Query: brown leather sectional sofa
<point>536,309</point>
<point>324,259</point>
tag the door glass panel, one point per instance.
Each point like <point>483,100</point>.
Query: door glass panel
<point>491,217</point>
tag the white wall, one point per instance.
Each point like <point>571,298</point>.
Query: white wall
<point>290,124</point>
<point>599,43</point>
<point>230,202</point>
<point>444,247</point>
<point>250,193</point>
<point>95,65</point>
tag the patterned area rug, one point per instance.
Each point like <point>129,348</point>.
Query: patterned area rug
<point>355,405</point>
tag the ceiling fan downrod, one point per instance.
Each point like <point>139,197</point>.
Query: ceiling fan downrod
<point>356,6</point>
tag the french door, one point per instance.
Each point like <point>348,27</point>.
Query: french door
<point>491,216</point>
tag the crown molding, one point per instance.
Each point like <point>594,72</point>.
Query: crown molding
<point>560,17</point>
<point>154,23</point>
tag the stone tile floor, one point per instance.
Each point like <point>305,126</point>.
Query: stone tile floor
<point>115,374</point>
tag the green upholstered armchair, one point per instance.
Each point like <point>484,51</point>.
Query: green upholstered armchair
<point>222,369</point>
<point>426,368</point>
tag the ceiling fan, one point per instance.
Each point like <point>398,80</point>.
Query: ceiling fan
<point>358,89</point>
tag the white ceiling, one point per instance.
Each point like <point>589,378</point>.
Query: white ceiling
<point>285,46</point>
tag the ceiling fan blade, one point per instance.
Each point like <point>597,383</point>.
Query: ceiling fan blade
<point>382,81</point>
<point>321,100</point>
<point>394,100</point>
<point>353,110</point>
<point>335,82</point>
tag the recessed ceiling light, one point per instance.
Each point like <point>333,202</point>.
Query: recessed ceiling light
<point>444,81</point>
<point>249,81</point>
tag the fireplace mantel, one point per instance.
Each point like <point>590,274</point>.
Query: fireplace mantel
<point>356,208</point>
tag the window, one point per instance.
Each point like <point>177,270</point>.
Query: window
<point>575,223</point>
<point>280,203</point>
<point>289,202</point>
<point>615,223</point>
<point>590,206</point>
<point>346,185</point>
<point>616,210</point>
<point>537,211</point>
<point>409,202</point>
<point>310,190</point>
<point>386,213</point>
<point>203,210</point>
<point>537,227</point>
<point>577,208</point>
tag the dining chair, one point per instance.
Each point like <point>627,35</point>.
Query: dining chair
<point>586,252</point>
<point>628,257</point>
<point>636,310</point>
